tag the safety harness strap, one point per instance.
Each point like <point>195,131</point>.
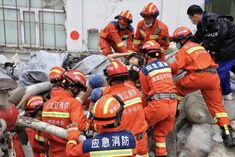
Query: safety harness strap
<point>209,69</point>
<point>158,96</point>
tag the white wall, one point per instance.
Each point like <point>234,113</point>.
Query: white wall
<point>88,14</point>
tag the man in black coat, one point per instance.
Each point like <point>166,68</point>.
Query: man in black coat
<point>217,34</point>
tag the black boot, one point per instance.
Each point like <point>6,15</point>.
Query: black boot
<point>227,136</point>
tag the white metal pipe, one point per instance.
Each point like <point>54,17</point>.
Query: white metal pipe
<point>45,127</point>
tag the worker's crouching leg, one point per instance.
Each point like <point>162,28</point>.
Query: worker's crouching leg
<point>162,129</point>
<point>142,144</point>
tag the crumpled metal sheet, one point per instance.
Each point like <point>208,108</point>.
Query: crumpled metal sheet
<point>38,67</point>
<point>7,84</point>
<point>93,64</point>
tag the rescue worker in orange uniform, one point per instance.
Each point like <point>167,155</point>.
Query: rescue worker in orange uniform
<point>150,28</point>
<point>33,108</point>
<point>201,75</point>
<point>157,84</point>
<point>55,77</point>
<point>133,118</point>
<point>134,62</point>
<point>111,139</point>
<point>116,32</point>
<point>63,109</point>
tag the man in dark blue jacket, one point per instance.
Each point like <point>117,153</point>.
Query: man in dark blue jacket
<point>217,34</point>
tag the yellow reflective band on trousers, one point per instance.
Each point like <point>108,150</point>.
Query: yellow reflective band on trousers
<point>137,42</point>
<point>155,72</point>
<point>226,130</point>
<point>112,153</point>
<point>120,44</point>
<point>160,145</point>
<point>132,101</point>
<point>143,33</point>
<point>191,50</point>
<point>220,115</point>
<point>39,138</point>
<point>56,114</point>
<point>179,98</point>
<point>153,37</point>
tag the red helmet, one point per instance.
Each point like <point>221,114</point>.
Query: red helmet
<point>56,74</point>
<point>151,46</point>
<point>150,10</point>
<point>125,17</point>
<point>33,104</point>
<point>74,78</point>
<point>115,68</point>
<point>107,110</point>
<point>181,33</point>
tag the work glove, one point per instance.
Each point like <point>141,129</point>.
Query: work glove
<point>96,81</point>
<point>96,94</point>
<point>72,131</point>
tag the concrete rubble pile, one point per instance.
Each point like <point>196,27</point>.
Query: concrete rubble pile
<point>195,134</point>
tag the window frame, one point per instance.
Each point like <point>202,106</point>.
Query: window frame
<point>21,35</point>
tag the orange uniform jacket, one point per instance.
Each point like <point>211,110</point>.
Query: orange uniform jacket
<point>62,110</point>
<point>192,57</point>
<point>133,118</point>
<point>113,35</point>
<point>36,141</point>
<point>158,32</point>
<point>156,77</point>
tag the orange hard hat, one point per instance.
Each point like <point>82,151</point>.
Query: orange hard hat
<point>150,10</point>
<point>33,104</point>
<point>115,69</point>
<point>125,17</point>
<point>151,46</point>
<point>107,110</point>
<point>74,78</point>
<point>56,74</point>
<point>181,33</point>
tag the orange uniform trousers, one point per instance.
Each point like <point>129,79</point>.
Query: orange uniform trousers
<point>209,84</point>
<point>161,115</point>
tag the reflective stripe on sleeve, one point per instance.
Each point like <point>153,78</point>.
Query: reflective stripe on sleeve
<point>133,101</point>
<point>143,33</point>
<point>191,50</point>
<point>120,44</point>
<point>160,145</point>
